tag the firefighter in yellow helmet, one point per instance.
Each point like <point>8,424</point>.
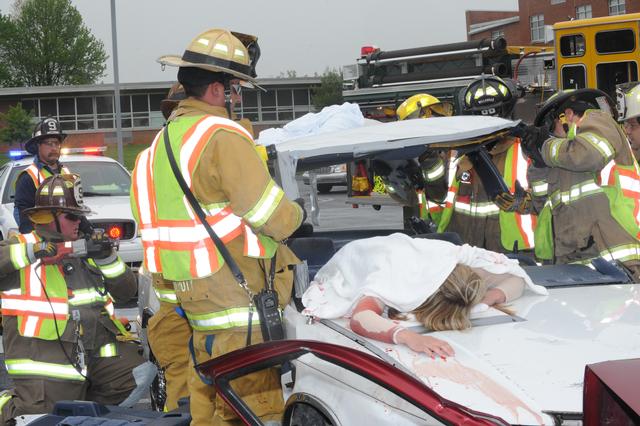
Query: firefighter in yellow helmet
<point>467,208</point>
<point>245,207</point>
<point>77,355</point>
<point>423,105</point>
<point>168,332</point>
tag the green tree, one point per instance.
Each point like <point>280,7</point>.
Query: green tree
<point>16,124</point>
<point>6,31</point>
<point>47,44</point>
<point>330,90</point>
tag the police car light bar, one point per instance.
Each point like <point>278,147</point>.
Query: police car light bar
<point>16,154</point>
<point>88,150</point>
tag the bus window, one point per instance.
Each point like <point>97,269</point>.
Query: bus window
<point>574,77</point>
<point>615,41</point>
<point>572,45</point>
<point>608,75</point>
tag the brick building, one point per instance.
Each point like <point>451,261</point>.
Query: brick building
<point>87,114</point>
<point>527,25</point>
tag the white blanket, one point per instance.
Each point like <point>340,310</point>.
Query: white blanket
<point>330,119</point>
<point>401,271</point>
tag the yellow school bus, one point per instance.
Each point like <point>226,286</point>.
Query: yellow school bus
<point>597,53</point>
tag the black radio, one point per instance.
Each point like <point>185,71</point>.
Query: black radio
<point>266,302</point>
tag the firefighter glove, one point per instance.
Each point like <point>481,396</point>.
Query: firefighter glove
<point>519,201</point>
<point>41,250</point>
<point>300,202</point>
<point>532,139</point>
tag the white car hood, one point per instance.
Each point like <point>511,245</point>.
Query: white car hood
<point>517,370</point>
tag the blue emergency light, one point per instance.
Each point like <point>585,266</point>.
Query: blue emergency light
<point>16,154</point>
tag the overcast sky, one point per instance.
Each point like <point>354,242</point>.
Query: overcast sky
<point>301,35</point>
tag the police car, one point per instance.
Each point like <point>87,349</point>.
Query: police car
<point>106,184</point>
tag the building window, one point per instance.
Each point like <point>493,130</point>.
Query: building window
<point>557,1</point>
<point>537,27</point>
<point>497,34</point>
<point>616,7</point>
<point>583,12</point>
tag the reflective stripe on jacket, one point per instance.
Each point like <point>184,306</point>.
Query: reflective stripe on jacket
<point>514,227</point>
<point>175,243</point>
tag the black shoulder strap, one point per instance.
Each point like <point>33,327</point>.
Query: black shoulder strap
<point>237,274</point>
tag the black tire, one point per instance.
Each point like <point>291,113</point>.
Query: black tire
<point>325,188</point>
<point>307,415</point>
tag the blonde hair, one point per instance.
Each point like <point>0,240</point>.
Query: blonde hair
<point>448,308</point>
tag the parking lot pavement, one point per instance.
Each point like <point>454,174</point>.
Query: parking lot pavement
<point>336,214</point>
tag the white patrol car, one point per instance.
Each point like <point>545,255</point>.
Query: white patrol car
<point>106,184</point>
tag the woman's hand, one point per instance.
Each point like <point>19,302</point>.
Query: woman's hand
<point>427,344</point>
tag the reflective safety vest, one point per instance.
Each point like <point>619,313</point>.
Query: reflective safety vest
<point>430,209</point>
<point>175,242</point>
<point>514,227</point>
<point>39,175</point>
<point>36,309</point>
<point>622,186</point>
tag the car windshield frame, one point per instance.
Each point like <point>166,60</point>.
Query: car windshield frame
<point>90,172</point>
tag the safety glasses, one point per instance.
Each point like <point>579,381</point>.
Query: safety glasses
<point>72,217</point>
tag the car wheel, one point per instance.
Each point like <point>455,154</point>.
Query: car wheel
<point>307,415</point>
<point>324,188</point>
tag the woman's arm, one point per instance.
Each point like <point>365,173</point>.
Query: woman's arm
<point>501,288</point>
<point>367,320</point>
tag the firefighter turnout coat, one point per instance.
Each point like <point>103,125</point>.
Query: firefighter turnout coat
<point>467,209</point>
<point>69,305</point>
<point>249,213</point>
<point>592,195</point>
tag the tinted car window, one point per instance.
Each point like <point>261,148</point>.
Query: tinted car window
<point>98,178</point>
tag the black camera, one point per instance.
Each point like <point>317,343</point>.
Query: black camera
<point>266,303</point>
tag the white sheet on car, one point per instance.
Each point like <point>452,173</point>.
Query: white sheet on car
<point>331,119</point>
<point>375,136</point>
<point>401,271</point>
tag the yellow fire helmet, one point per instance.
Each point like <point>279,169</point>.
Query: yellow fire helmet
<point>423,105</point>
<point>215,50</point>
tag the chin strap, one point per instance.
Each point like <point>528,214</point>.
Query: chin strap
<point>227,97</point>
<point>57,223</point>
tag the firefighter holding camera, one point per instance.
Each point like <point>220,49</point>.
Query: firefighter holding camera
<point>231,187</point>
<point>60,331</point>
<point>590,186</point>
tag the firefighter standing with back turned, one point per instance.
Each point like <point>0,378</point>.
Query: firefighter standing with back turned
<point>168,332</point>
<point>245,207</point>
<point>59,325</point>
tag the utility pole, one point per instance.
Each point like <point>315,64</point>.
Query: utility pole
<point>116,82</point>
